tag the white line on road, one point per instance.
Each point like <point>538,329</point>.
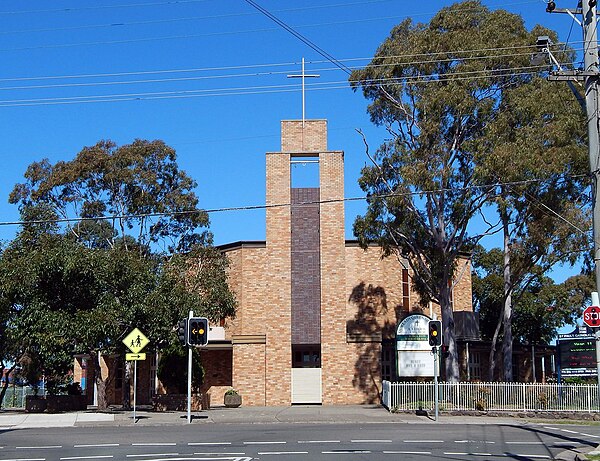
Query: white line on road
<point>525,443</point>
<point>533,456</point>
<point>345,452</point>
<point>553,428</point>
<point>220,454</point>
<point>86,457</point>
<point>590,435</point>
<point>96,445</point>
<point>473,441</point>
<point>152,454</point>
<point>406,452</point>
<point>319,441</point>
<point>42,447</point>
<point>208,443</point>
<point>283,452</point>
<point>423,441</point>
<point>570,432</point>
<point>26,459</point>
<point>371,441</point>
<point>457,453</point>
<point>157,444</point>
<point>263,443</point>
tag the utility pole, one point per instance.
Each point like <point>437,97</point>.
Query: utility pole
<point>589,23</point>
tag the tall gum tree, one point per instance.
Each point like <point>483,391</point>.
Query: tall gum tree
<point>435,88</point>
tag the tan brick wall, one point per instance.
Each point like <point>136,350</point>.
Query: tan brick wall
<point>247,280</point>
<point>218,374</point>
<point>277,291</point>
<point>462,292</point>
<point>336,364</point>
<point>310,138</point>
<point>249,365</point>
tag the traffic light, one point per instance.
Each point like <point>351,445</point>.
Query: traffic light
<point>435,333</point>
<point>182,331</point>
<point>198,331</point>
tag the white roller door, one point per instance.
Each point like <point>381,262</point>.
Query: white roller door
<point>306,385</point>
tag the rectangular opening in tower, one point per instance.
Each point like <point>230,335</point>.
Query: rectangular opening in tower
<point>304,172</point>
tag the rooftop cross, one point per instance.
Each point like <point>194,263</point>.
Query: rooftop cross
<point>303,75</point>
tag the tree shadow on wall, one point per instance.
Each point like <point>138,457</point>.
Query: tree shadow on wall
<point>372,323</point>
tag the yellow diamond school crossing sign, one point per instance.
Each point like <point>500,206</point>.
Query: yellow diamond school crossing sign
<point>136,341</point>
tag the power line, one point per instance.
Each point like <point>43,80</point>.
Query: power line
<point>276,205</point>
<point>265,89</point>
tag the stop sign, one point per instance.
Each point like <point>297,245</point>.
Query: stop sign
<point>591,316</point>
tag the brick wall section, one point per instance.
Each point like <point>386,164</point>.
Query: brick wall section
<point>249,375</point>
<point>306,277</point>
<point>218,374</point>
<point>335,361</point>
<point>462,293</point>
<point>277,297</point>
<point>312,138</point>
<point>247,269</point>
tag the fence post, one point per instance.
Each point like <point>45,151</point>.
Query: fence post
<point>524,398</point>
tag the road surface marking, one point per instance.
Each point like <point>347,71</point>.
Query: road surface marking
<point>96,445</point>
<point>525,443</point>
<point>590,435</point>
<point>26,459</point>
<point>42,447</point>
<point>220,454</point>
<point>283,452</point>
<point>86,457</point>
<point>553,428</point>
<point>473,441</point>
<point>345,452</point>
<point>371,441</point>
<point>406,452</point>
<point>423,441</point>
<point>570,432</point>
<point>156,444</point>
<point>263,443</point>
<point>152,454</point>
<point>534,456</point>
<point>208,443</point>
<point>319,441</point>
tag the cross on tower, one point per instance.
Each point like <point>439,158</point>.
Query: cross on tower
<point>303,75</point>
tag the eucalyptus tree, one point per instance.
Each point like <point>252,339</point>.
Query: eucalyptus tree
<point>436,88</point>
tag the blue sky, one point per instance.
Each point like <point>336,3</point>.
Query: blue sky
<point>206,76</point>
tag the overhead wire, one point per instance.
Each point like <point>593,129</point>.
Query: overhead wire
<point>266,206</point>
<point>427,79</point>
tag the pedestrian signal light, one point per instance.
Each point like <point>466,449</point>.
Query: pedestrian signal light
<point>198,331</point>
<point>435,333</point>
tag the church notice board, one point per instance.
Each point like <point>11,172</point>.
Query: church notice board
<point>413,352</point>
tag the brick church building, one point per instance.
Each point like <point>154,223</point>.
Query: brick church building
<point>317,314</point>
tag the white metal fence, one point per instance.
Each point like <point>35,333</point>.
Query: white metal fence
<point>492,396</point>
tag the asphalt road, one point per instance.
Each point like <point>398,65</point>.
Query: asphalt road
<point>369,442</point>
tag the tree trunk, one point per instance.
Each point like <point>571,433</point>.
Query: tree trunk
<point>102,384</point>
<point>126,386</point>
<point>507,339</point>
<point>451,362</point>
<point>5,384</point>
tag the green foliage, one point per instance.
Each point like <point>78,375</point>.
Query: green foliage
<point>463,115</point>
<point>81,288</point>
<point>173,367</point>
<point>540,306</point>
